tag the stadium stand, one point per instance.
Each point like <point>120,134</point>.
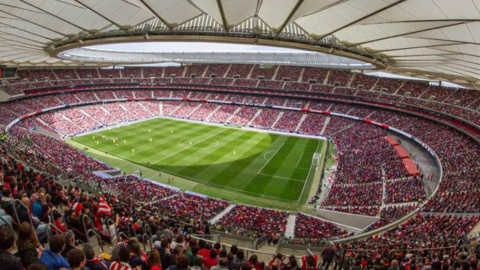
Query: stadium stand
<point>366,162</point>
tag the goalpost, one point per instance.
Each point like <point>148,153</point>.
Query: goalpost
<point>311,172</point>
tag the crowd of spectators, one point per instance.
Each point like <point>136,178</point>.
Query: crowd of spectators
<point>357,210</point>
<point>264,73</point>
<point>444,142</point>
<point>271,84</point>
<point>391,213</point>
<point>317,75</point>
<point>405,190</point>
<point>195,70</point>
<point>245,82</point>
<point>242,71</point>
<point>364,155</point>
<point>204,111</point>
<point>364,82</point>
<point>187,207</point>
<point>255,221</point>
<point>288,121</point>
<point>266,118</point>
<point>339,77</point>
<point>185,109</point>
<point>217,70</point>
<point>312,124</point>
<point>297,86</point>
<point>288,73</point>
<point>387,85</point>
<point>221,81</point>
<point>458,102</point>
<point>354,195</point>
<point>312,228</point>
<point>244,116</point>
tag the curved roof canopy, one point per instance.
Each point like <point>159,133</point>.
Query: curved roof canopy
<point>439,39</point>
<point>207,52</point>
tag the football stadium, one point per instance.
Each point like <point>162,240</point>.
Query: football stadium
<point>240,134</point>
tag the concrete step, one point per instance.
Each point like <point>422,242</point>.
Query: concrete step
<point>290,229</point>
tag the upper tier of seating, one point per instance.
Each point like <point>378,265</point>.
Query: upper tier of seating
<point>463,103</point>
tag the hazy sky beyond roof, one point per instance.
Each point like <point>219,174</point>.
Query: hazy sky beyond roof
<point>190,47</point>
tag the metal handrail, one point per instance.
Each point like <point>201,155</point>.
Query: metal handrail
<point>248,251</point>
<point>130,225</point>
<point>147,229</point>
<point>108,221</point>
<point>99,238</point>
<point>65,222</point>
<point>121,234</point>
<point>28,212</point>
<point>83,223</point>
<point>146,238</point>
<point>16,213</point>
<point>48,231</point>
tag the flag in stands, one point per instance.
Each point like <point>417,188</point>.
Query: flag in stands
<point>104,208</point>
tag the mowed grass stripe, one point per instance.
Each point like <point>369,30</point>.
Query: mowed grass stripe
<point>226,173</point>
<point>132,137</point>
<point>245,146</point>
<point>169,146</point>
<point>216,166</point>
<point>224,151</point>
<point>184,153</point>
<point>284,162</point>
<point>161,145</point>
<point>243,174</point>
<point>162,141</point>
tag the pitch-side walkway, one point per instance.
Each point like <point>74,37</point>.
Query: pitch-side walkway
<point>223,213</point>
<point>290,230</point>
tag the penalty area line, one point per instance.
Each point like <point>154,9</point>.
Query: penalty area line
<point>264,165</point>
<point>282,177</point>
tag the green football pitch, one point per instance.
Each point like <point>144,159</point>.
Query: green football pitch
<point>259,164</point>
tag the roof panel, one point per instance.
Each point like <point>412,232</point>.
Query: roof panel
<point>337,16</point>
<point>237,11</point>
<point>402,34</point>
<point>174,11</point>
<point>121,12</point>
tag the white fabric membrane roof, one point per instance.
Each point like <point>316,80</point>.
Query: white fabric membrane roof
<point>440,37</point>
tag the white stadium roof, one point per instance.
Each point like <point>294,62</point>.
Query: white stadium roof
<point>438,39</point>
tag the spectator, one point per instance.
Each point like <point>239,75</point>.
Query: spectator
<point>153,262</point>
<point>36,266</point>
<point>136,255</point>
<point>211,260</point>
<point>5,218</point>
<point>310,263</point>
<point>292,263</point>
<point>76,259</point>
<point>70,243</point>
<point>52,257</point>
<point>93,263</point>
<point>7,246</point>
<point>181,263</point>
<point>222,265</point>
<point>328,254</point>
<point>198,264</point>
<point>254,263</point>
<point>29,250</point>
<point>231,261</point>
<point>240,258</point>
<point>123,259</point>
